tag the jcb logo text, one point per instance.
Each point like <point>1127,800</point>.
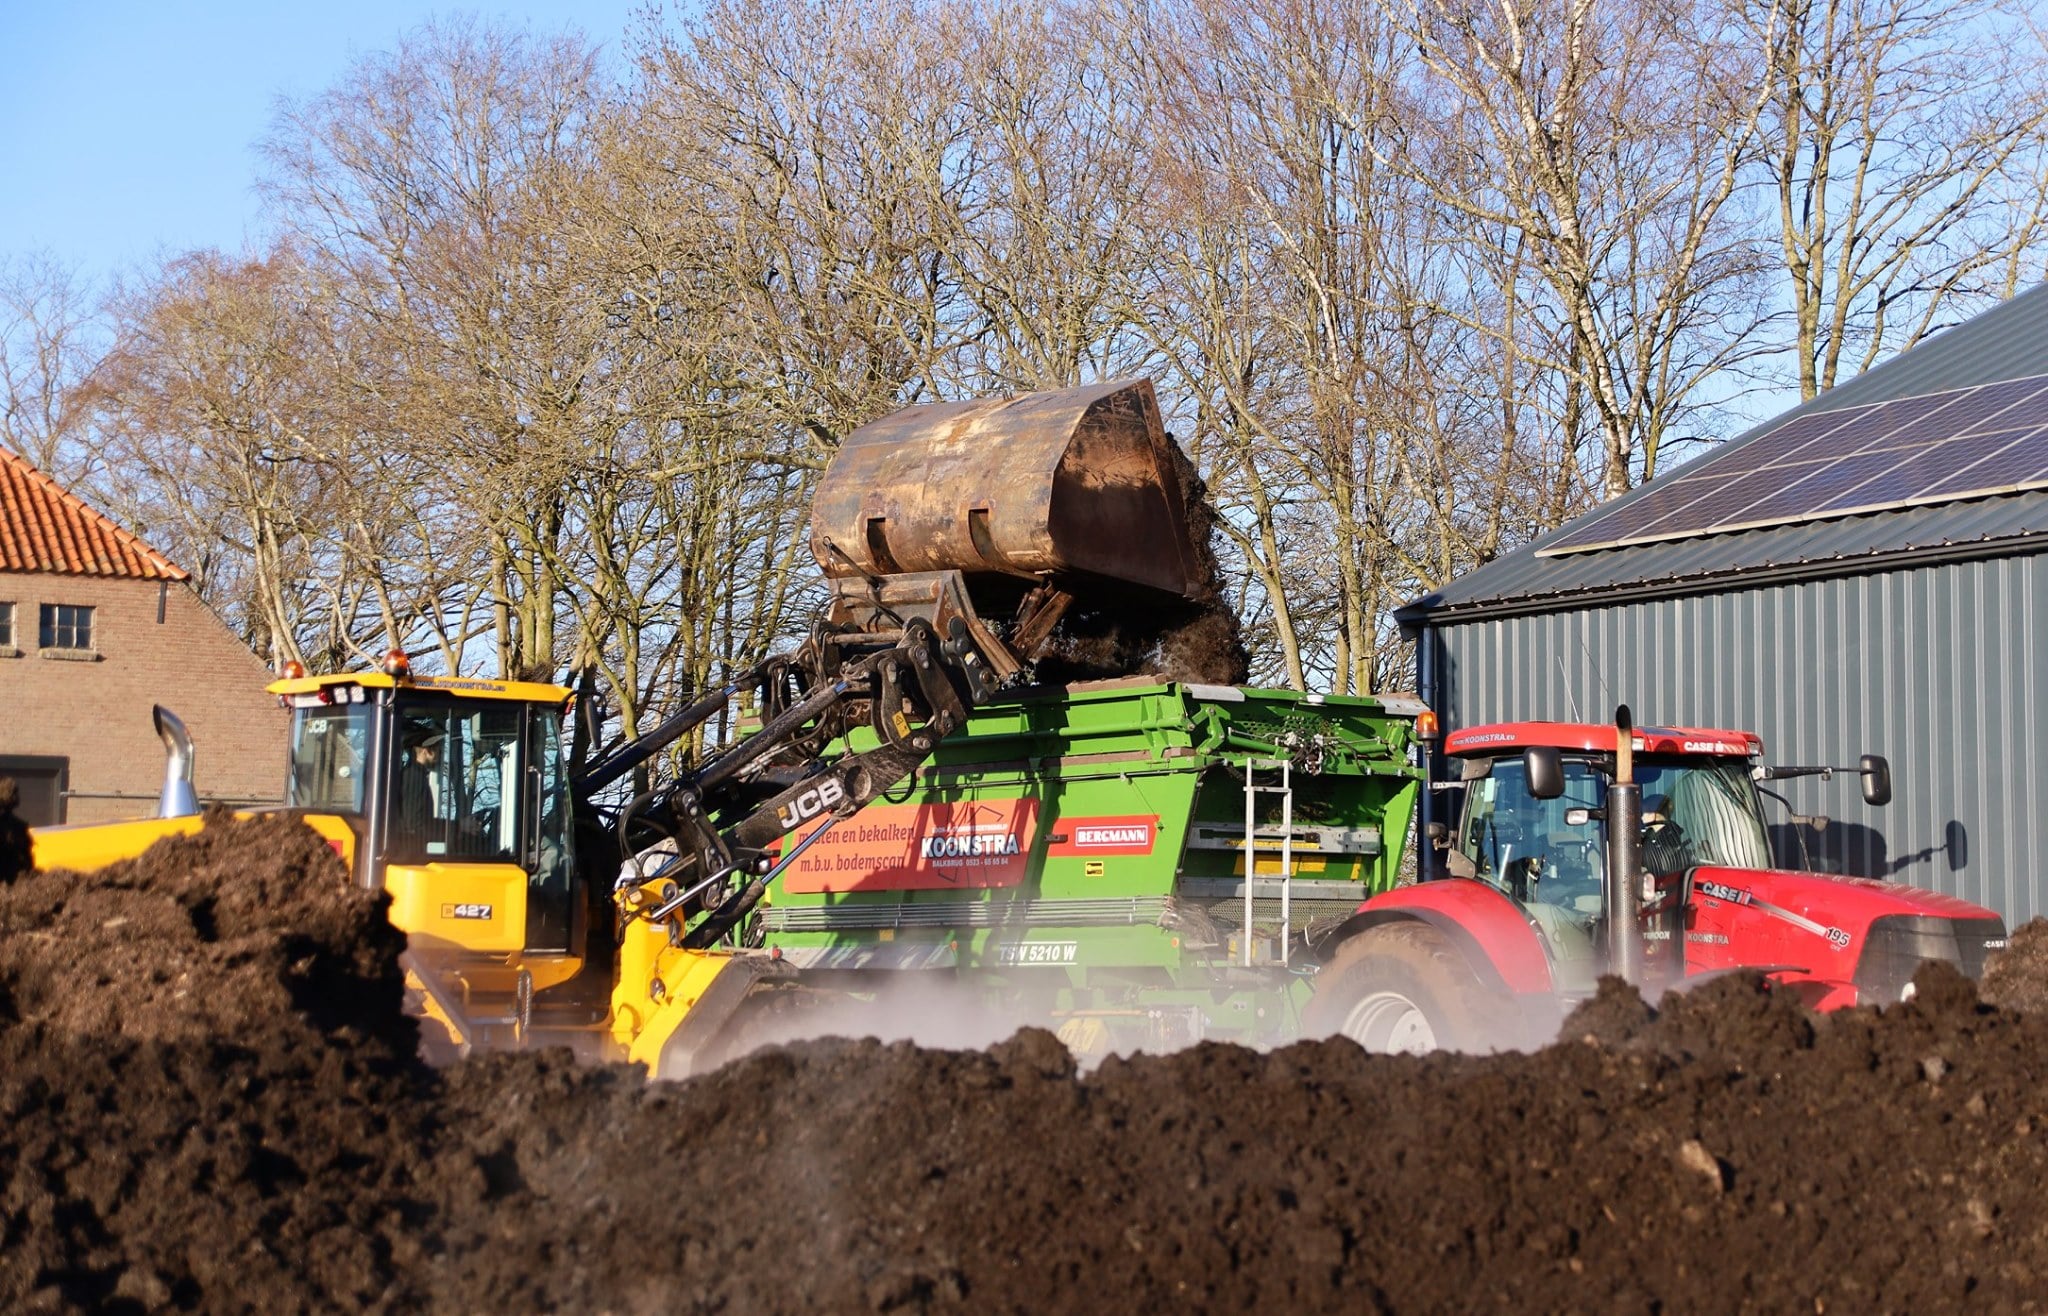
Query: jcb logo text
<point>811,803</point>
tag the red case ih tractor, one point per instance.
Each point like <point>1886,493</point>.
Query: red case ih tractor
<point>1585,850</point>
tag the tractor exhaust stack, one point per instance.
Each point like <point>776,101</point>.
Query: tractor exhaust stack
<point>1625,950</point>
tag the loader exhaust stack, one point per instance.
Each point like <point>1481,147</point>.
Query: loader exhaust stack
<point>1004,511</point>
<point>178,799</point>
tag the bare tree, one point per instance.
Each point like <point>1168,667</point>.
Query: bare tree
<point>50,336</point>
<point>1301,294</point>
<point>820,141</point>
<point>1607,143</point>
<point>1906,150</point>
<point>210,423</point>
<point>1055,178</point>
<point>438,180</point>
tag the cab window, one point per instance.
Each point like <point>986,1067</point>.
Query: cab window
<point>455,788</point>
<point>1698,811</point>
<point>1528,847</point>
<point>550,895</point>
<point>330,751</point>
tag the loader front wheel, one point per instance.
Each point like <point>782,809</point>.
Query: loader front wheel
<point>1399,989</point>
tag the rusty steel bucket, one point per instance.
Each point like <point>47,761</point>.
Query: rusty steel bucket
<point>1073,487</point>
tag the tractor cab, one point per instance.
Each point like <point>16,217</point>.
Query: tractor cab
<point>1584,851</point>
<point>458,798</point>
<point>1548,851</point>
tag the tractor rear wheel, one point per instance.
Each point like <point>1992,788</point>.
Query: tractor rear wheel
<point>1399,989</point>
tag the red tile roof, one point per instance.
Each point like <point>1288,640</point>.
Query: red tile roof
<point>45,527</point>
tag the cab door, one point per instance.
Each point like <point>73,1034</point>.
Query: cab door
<point>1545,854</point>
<point>452,844</point>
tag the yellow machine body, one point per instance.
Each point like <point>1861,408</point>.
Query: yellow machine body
<point>460,907</point>
<point>469,972</point>
<point>467,687</point>
<point>85,847</point>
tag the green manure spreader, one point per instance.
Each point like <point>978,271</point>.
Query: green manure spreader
<point>1135,864</point>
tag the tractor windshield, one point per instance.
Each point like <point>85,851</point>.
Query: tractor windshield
<point>1700,811</point>
<point>1552,852</point>
<point>1532,848</point>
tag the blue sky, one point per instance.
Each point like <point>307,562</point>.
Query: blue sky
<point>128,128</point>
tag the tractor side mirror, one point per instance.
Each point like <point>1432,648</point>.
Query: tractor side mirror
<point>1877,780</point>
<point>1543,766</point>
<point>1439,835</point>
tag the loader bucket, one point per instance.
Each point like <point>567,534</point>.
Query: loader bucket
<point>1073,488</point>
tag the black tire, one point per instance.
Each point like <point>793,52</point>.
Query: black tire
<point>1400,988</point>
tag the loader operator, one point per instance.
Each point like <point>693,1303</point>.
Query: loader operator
<point>422,784</point>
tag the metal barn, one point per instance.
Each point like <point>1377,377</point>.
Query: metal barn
<point>1863,574</point>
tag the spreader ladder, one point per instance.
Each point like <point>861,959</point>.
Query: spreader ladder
<point>1252,791</point>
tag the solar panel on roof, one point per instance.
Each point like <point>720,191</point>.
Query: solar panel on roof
<point>2022,460</point>
<point>1727,502</point>
<point>1786,442</point>
<point>1924,469</point>
<point>1934,447</point>
<point>1882,425</point>
<point>2025,414</point>
<point>1973,410</point>
<point>1654,506</point>
<point>1817,489</point>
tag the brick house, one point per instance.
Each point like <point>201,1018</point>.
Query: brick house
<point>95,626</point>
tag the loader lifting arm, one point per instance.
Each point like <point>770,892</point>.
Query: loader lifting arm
<point>701,842</point>
<point>928,525</point>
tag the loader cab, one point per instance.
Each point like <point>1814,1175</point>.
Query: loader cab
<point>458,792</point>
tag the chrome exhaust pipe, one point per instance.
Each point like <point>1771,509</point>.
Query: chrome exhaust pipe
<point>1626,948</point>
<point>178,800</point>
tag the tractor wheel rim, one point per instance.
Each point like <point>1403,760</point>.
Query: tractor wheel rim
<point>1388,1023</point>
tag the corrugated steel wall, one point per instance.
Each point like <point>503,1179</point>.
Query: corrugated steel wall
<point>1938,668</point>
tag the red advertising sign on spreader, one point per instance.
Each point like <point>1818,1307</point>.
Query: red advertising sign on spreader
<point>1092,837</point>
<point>918,847</point>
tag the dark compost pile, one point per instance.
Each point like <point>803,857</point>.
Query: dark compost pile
<point>1194,639</point>
<point>209,1100</point>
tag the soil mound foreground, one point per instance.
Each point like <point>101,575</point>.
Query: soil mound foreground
<point>209,1101</point>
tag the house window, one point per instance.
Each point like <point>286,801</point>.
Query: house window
<point>66,626</point>
<point>6,625</point>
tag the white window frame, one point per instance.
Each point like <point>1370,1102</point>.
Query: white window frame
<point>49,621</point>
